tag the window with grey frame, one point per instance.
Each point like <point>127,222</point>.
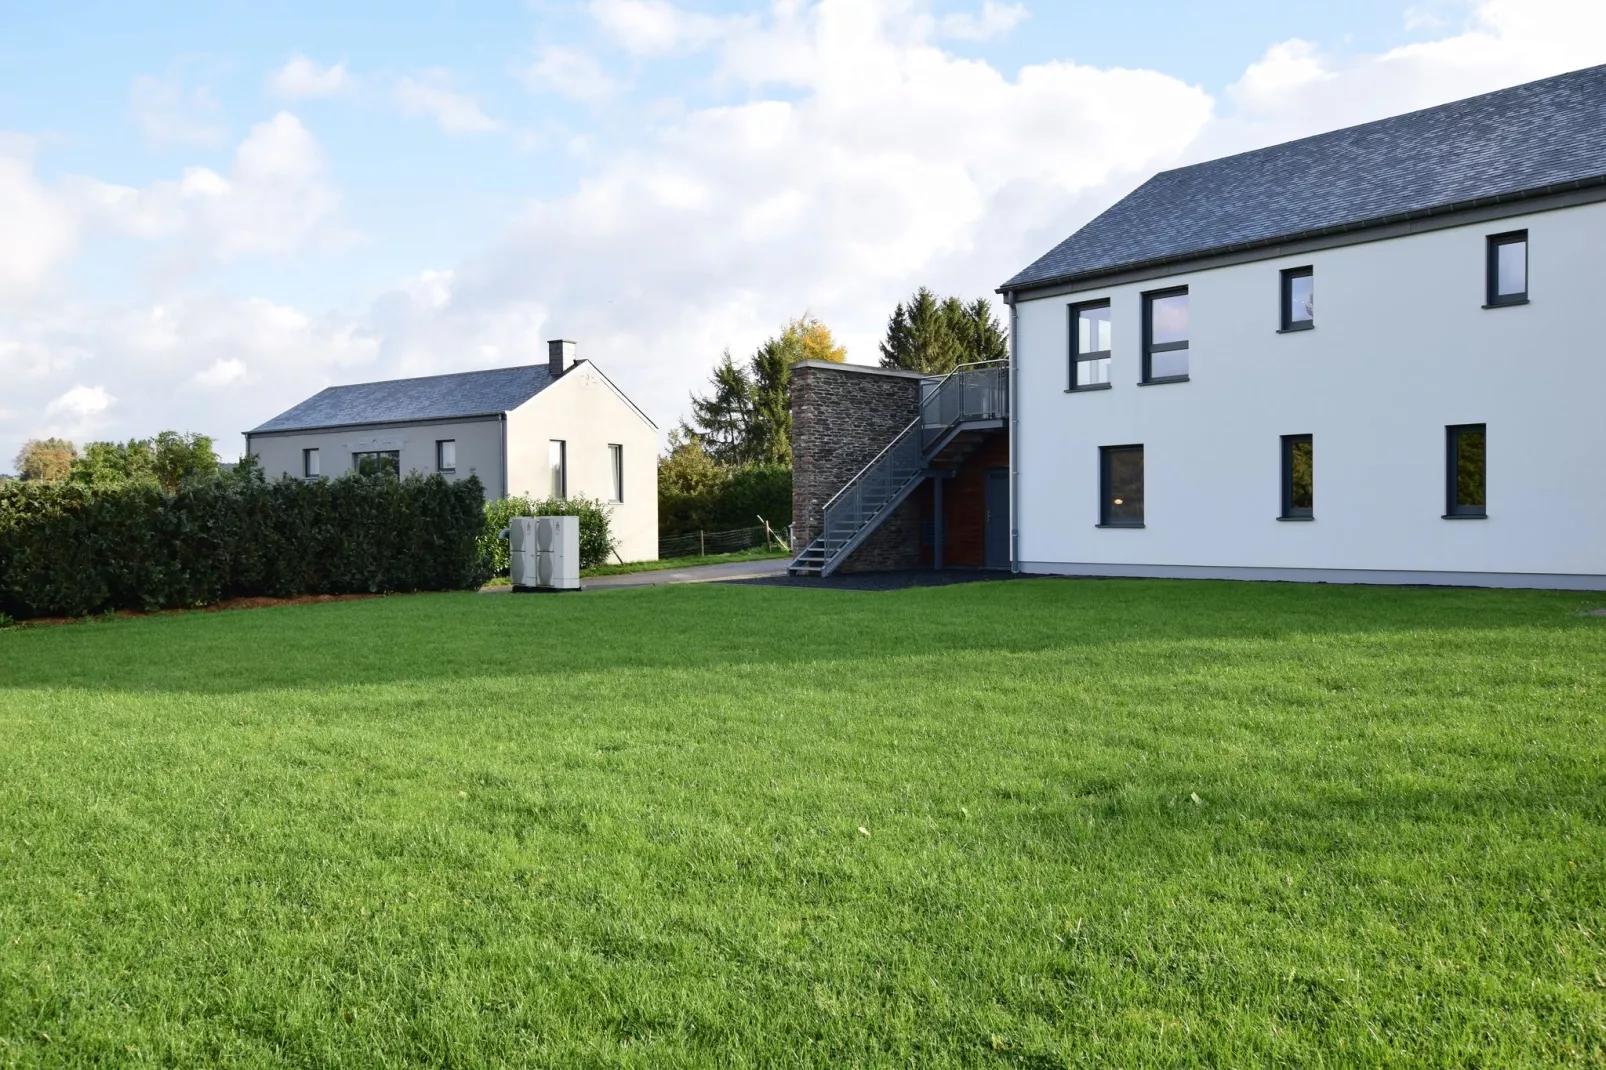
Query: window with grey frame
<point>1299,299</point>
<point>616,472</point>
<point>1466,472</point>
<point>446,455</point>
<point>1299,477</point>
<point>311,464</point>
<point>558,461</point>
<point>377,463</point>
<point>1507,269</point>
<point>1165,336</point>
<point>1090,346</point>
<point>1121,486</point>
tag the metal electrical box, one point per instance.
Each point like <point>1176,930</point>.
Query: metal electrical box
<point>544,553</point>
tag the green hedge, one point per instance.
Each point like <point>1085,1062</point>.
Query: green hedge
<point>596,529</point>
<point>737,501</point>
<point>71,550</point>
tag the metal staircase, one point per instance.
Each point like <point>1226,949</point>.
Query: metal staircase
<point>970,399</point>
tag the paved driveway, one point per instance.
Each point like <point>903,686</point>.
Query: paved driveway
<point>735,570</point>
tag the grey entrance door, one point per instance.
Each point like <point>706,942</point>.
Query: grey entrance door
<point>997,520</point>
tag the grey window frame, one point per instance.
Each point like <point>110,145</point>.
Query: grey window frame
<point>307,456</point>
<point>1077,356</point>
<point>1105,453</point>
<point>440,456</point>
<point>562,479</point>
<point>616,471</point>
<point>356,460</point>
<point>1492,246</point>
<point>1290,511</point>
<point>1288,275</point>
<point>1149,346</point>
<point>1453,510</point>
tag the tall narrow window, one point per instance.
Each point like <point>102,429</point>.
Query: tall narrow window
<point>1466,471</point>
<point>1165,336</point>
<point>1299,477</point>
<point>1508,269</point>
<point>1121,486</point>
<point>1299,299</point>
<point>310,464</point>
<point>1090,346</point>
<point>616,471</point>
<point>446,455</point>
<point>558,458</point>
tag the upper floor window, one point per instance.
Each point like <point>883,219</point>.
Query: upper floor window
<point>1090,356</point>
<point>1508,269</point>
<point>310,465</point>
<point>1165,336</point>
<point>558,461</point>
<point>446,455</point>
<point>1299,299</point>
<point>1466,471</point>
<point>616,473</point>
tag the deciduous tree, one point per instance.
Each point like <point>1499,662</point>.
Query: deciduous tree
<point>46,460</point>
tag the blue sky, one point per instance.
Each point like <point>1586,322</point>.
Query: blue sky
<point>212,211</point>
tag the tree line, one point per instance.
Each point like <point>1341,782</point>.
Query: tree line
<point>167,461</point>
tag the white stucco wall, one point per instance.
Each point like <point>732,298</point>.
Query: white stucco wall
<point>1401,349</point>
<point>479,449</point>
<point>583,410</point>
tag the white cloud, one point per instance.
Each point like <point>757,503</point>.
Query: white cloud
<point>657,27</point>
<point>432,94</point>
<point>995,20</point>
<point>38,227</point>
<point>169,111</point>
<point>569,71</point>
<point>858,160</point>
<point>300,78</point>
<point>275,199</point>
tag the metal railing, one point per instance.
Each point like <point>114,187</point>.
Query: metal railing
<point>968,393</point>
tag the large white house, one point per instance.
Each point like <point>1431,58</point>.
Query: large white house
<point>559,429</point>
<point>1374,355</point>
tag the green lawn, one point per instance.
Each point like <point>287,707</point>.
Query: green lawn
<point>1028,824</point>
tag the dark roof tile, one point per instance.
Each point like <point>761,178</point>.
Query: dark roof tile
<point>435,397</point>
<point>1528,139</point>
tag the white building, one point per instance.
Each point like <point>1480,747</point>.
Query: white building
<point>1370,356</point>
<point>559,429</point>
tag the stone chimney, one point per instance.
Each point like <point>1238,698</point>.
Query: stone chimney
<point>559,356</point>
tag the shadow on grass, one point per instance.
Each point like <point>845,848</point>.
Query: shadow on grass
<point>436,637</point>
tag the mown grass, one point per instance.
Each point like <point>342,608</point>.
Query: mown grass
<point>1026,824</point>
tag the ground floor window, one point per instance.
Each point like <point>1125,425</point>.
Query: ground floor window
<point>1121,486</point>
<point>446,455</point>
<point>310,466</point>
<point>616,473</point>
<point>377,463</point>
<point>1466,471</point>
<point>1299,477</point>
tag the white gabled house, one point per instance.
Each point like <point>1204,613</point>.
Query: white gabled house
<point>559,429</point>
<point>1370,356</point>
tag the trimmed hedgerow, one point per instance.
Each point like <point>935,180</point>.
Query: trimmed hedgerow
<point>71,550</point>
<point>596,527</point>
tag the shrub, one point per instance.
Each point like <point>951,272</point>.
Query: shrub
<point>735,498</point>
<point>72,550</point>
<point>596,527</point>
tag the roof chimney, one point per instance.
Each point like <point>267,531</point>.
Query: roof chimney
<point>559,356</point>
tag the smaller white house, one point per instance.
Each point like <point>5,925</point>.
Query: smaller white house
<point>560,429</point>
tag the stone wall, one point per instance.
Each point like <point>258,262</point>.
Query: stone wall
<point>842,416</point>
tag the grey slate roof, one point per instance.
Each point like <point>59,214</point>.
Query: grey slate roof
<point>1541,137</point>
<point>435,397</point>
